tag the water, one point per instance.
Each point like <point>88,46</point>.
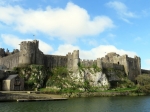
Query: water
<point>95,104</point>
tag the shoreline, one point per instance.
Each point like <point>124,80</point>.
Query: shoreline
<point>102,94</point>
<point>24,96</point>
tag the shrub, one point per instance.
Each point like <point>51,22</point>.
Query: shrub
<point>143,83</point>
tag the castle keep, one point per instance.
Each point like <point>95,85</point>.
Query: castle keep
<point>30,54</point>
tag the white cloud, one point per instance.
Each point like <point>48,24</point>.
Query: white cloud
<point>11,40</point>
<point>68,24</point>
<point>94,53</point>
<point>122,10</point>
<point>14,42</point>
<point>64,49</point>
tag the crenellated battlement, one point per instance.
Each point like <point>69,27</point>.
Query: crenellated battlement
<point>30,54</point>
<point>87,63</point>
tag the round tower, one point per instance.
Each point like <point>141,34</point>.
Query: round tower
<point>99,63</point>
<point>138,60</point>
<point>69,61</point>
<point>27,53</point>
<point>75,59</point>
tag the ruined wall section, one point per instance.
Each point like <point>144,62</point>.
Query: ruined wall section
<point>132,66</point>
<point>116,59</point>
<point>10,61</point>
<point>122,60</point>
<point>113,66</point>
<point>114,72</point>
<point>52,61</point>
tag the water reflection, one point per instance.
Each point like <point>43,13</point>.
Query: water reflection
<point>95,104</point>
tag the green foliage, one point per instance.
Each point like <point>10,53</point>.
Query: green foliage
<point>96,68</point>
<point>133,89</point>
<point>143,79</point>
<point>34,75</point>
<point>86,85</point>
<point>144,89</point>
<point>80,67</point>
<point>59,78</point>
<point>126,83</point>
<point>143,83</point>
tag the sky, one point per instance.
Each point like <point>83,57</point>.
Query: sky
<point>94,27</point>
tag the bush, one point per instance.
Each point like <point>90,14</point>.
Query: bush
<point>59,78</point>
<point>35,76</point>
<point>143,79</point>
<point>144,89</point>
<point>143,83</point>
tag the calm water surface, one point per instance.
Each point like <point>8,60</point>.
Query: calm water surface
<point>95,104</point>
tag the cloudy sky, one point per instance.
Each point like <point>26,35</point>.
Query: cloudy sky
<point>95,27</point>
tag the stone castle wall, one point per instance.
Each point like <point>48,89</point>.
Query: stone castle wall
<point>132,66</point>
<point>143,71</point>
<point>53,61</point>
<point>88,63</point>
<point>28,51</point>
<point>30,54</point>
<point>113,66</point>
<point>10,61</point>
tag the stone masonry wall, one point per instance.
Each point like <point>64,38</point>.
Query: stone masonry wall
<point>88,63</point>
<point>113,65</point>
<point>10,61</point>
<point>30,54</point>
<point>52,61</point>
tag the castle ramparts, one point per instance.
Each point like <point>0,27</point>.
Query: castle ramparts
<point>30,54</point>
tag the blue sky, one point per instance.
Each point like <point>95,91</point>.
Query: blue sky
<point>95,27</point>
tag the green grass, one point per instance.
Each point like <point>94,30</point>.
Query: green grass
<point>50,90</point>
<point>122,90</point>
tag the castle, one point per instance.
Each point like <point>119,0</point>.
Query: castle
<point>30,54</point>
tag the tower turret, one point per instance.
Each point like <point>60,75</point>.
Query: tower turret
<point>99,63</point>
<point>28,50</point>
<point>75,59</point>
<point>138,60</point>
<point>69,61</point>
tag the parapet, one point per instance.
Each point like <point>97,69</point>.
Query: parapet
<point>29,42</point>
